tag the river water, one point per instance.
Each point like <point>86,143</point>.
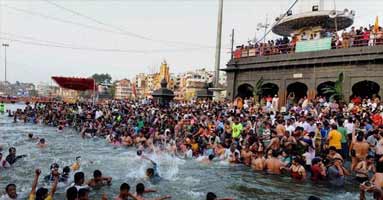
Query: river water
<point>183,179</point>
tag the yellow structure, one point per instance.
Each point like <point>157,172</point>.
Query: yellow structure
<point>164,74</point>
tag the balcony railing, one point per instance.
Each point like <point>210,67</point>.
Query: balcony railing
<point>306,46</point>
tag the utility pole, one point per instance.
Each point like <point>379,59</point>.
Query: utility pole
<point>266,26</point>
<point>218,44</point>
<point>263,26</point>
<point>5,45</point>
<point>232,43</point>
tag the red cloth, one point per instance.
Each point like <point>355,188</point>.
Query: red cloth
<point>237,53</point>
<point>356,100</point>
<point>80,84</point>
<point>377,119</point>
<point>366,35</point>
<point>316,173</point>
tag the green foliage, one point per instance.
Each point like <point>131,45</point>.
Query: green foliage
<point>101,78</point>
<point>259,90</point>
<point>336,91</point>
<point>113,89</point>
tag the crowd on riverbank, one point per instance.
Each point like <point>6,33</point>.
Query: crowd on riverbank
<point>312,140</point>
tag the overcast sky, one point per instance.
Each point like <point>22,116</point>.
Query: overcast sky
<point>137,35</point>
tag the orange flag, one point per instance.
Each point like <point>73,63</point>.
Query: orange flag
<point>376,25</point>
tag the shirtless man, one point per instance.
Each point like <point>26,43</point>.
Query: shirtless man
<point>219,151</point>
<point>379,151</point>
<point>98,180</point>
<point>377,179</point>
<point>273,165</point>
<point>208,160</point>
<point>363,168</point>
<point>12,158</point>
<point>127,140</point>
<point>333,154</point>
<point>274,142</point>
<point>258,162</point>
<point>359,150</point>
<point>280,128</point>
<point>42,143</point>
<point>124,192</point>
<point>31,137</point>
<point>140,190</point>
<point>246,155</point>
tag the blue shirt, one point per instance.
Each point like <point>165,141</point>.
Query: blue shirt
<point>324,132</point>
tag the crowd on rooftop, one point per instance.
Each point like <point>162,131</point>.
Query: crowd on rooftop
<point>354,37</point>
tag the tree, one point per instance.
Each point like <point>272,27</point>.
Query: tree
<point>336,91</point>
<point>113,89</point>
<point>258,90</point>
<point>101,78</point>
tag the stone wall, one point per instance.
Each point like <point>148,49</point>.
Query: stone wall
<point>311,68</point>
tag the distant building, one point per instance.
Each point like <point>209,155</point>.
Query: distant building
<point>17,89</point>
<point>104,91</point>
<point>184,85</point>
<point>140,83</point>
<point>123,89</point>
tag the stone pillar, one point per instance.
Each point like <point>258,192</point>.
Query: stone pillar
<point>347,87</point>
<point>282,92</point>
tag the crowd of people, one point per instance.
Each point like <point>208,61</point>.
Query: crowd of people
<point>312,140</point>
<point>364,36</point>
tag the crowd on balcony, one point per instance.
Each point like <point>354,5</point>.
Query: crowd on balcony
<point>355,37</point>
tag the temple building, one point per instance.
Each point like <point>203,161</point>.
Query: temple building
<point>308,58</point>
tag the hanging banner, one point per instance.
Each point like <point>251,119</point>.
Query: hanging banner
<point>313,45</point>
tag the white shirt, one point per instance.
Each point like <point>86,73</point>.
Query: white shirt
<point>349,127</point>
<point>189,154</point>
<point>98,114</point>
<point>290,129</point>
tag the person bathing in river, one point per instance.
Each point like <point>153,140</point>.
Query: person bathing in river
<point>54,170</point>
<point>76,166</point>
<point>79,180</point>
<point>10,193</point>
<point>42,143</point>
<point>31,137</point>
<point>42,193</point>
<point>212,196</point>
<point>152,173</point>
<point>12,158</point>
<point>273,165</point>
<point>124,192</point>
<point>208,160</point>
<point>98,180</point>
<point>3,163</point>
<point>140,190</point>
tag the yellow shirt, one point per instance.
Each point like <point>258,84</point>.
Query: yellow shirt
<point>335,139</point>
<point>33,197</point>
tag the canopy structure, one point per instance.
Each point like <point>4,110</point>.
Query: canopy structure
<point>326,19</point>
<point>79,84</point>
<point>163,95</point>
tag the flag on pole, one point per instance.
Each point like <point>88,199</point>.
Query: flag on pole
<point>376,25</point>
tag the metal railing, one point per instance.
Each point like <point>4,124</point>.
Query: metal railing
<point>269,50</point>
